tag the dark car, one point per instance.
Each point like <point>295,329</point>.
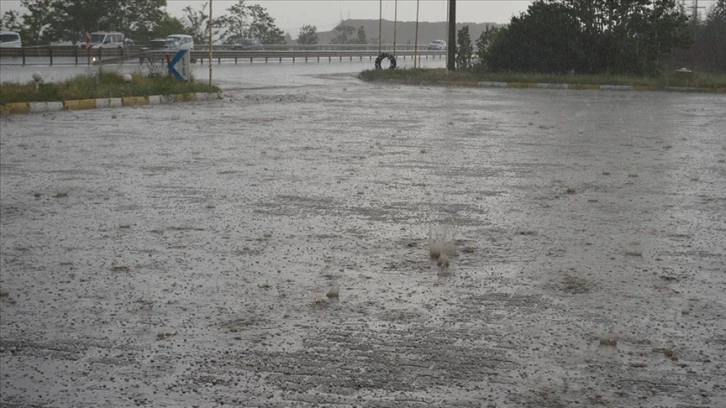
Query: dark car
<point>247,44</point>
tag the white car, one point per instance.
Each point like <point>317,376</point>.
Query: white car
<point>103,39</point>
<point>437,45</point>
<point>10,39</point>
<point>185,42</point>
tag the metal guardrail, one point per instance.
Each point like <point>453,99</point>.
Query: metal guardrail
<point>68,55</point>
<point>306,56</point>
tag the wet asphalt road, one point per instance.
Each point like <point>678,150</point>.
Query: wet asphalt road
<point>181,255</point>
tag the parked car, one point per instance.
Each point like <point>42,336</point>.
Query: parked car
<point>185,42</point>
<point>437,45</point>
<point>247,44</point>
<point>104,39</point>
<point>10,39</point>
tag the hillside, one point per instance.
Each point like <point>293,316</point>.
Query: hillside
<point>406,31</point>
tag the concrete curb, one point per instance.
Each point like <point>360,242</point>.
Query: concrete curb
<point>102,103</point>
<point>594,87</point>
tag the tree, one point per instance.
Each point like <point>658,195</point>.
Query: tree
<point>236,24</point>
<point>38,23</point>
<point>197,23</point>
<point>716,33</point>
<point>343,33</point>
<point>11,21</point>
<point>167,26</point>
<point>709,48</point>
<point>362,38</point>
<point>263,26</point>
<point>47,21</point>
<point>483,47</point>
<point>250,21</point>
<point>308,35</point>
<point>464,49</point>
<point>664,29</point>
<point>73,17</point>
<point>596,36</point>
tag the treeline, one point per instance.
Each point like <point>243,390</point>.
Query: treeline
<point>51,21</point>
<point>598,36</point>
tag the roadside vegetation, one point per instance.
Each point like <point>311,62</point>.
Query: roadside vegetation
<point>648,43</point>
<point>618,37</point>
<point>43,22</point>
<point>703,81</point>
<point>101,85</point>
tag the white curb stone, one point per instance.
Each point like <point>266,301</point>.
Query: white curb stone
<point>108,103</point>
<point>53,106</point>
<point>45,106</point>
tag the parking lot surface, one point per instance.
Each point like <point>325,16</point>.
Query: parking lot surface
<point>274,248</point>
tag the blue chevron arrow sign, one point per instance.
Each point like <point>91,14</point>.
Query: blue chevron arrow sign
<point>179,55</point>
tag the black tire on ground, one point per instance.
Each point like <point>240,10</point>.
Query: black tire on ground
<point>390,58</point>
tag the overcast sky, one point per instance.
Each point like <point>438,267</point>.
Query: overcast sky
<point>290,15</point>
<point>326,14</point>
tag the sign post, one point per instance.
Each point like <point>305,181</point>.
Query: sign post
<point>211,34</point>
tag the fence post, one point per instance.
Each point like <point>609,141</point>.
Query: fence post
<point>22,52</point>
<point>75,55</point>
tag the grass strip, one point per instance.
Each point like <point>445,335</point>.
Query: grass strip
<point>440,76</point>
<point>101,85</point>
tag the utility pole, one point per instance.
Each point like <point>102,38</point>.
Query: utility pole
<point>694,16</point>
<point>211,32</point>
<point>451,47</point>
<point>380,18</point>
<point>395,23</point>
<point>695,11</point>
<point>415,41</point>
